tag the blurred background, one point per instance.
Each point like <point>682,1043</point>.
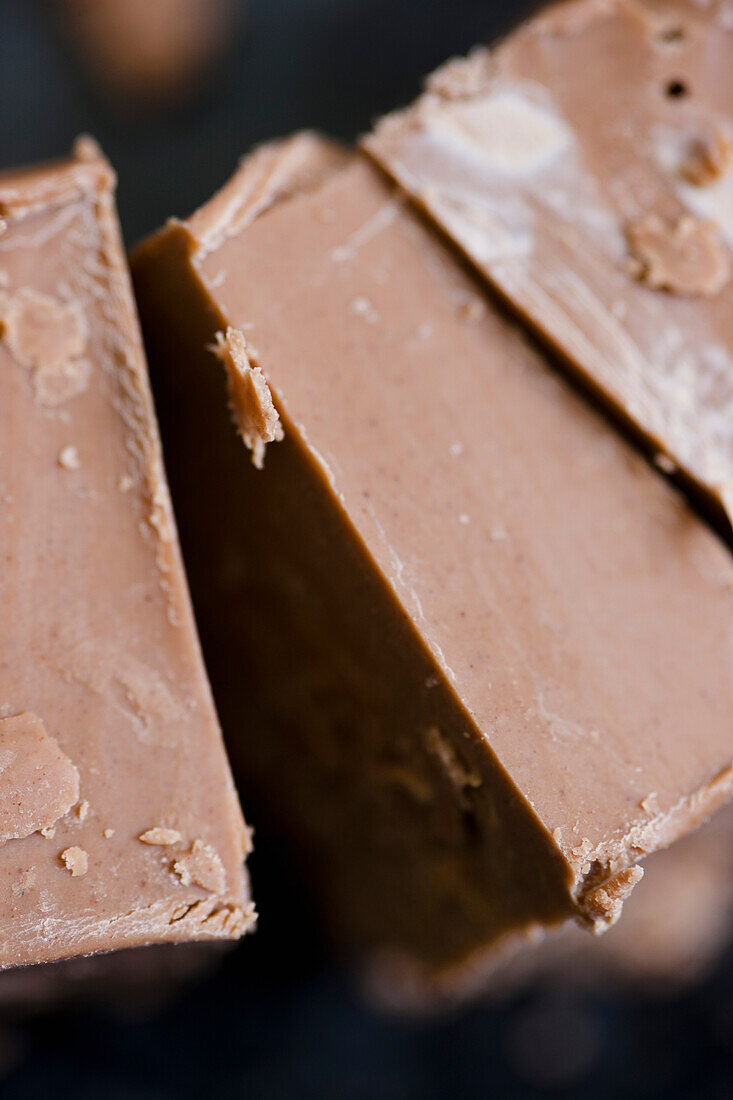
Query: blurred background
<point>176,91</point>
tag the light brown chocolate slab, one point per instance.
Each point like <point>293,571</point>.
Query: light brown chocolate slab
<point>585,166</point>
<point>107,726</point>
<point>472,654</point>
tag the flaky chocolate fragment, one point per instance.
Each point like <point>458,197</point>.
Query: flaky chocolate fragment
<point>107,726</point>
<point>38,782</point>
<point>584,167</point>
<point>459,631</point>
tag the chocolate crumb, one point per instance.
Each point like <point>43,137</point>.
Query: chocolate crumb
<point>603,904</point>
<point>650,804</point>
<point>255,416</point>
<point>160,836</point>
<point>708,160</point>
<point>461,776</point>
<point>686,258</point>
<point>69,458</point>
<point>201,866</point>
<point>76,861</point>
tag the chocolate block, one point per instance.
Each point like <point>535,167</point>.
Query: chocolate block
<point>585,166</point>
<point>119,823</point>
<point>147,52</point>
<point>471,652</point>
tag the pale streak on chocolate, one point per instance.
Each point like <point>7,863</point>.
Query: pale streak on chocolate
<point>619,106</point>
<point>49,337</point>
<point>268,175</point>
<point>516,650</point>
<point>98,638</point>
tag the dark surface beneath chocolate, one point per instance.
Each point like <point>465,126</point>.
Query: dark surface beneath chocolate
<point>277,1018</point>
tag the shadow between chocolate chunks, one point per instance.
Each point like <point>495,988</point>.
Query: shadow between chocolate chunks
<point>471,653</point>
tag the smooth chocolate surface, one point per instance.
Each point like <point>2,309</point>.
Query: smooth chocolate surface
<point>482,649</point>
<point>119,823</point>
<point>585,167</point>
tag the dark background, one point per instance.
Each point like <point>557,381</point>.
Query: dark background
<point>277,1018</point>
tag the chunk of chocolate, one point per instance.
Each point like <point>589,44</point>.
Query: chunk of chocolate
<point>147,52</point>
<point>459,631</point>
<point>107,727</point>
<point>584,166</point>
